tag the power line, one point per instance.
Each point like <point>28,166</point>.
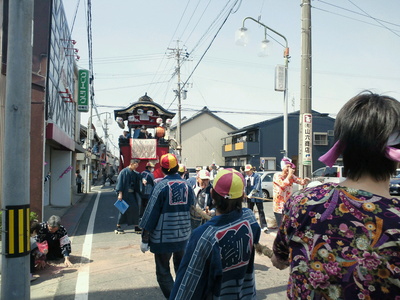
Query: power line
<point>75,14</point>
<point>212,41</point>
<point>130,86</point>
<point>375,19</point>
<point>176,29</point>
<point>358,20</point>
<point>357,13</point>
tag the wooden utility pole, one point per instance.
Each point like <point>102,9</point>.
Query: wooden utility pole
<point>305,118</point>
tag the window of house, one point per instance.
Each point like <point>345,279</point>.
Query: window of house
<point>251,137</point>
<point>268,163</point>
<point>320,138</point>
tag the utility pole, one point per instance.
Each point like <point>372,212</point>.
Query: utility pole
<point>305,117</point>
<point>15,254</point>
<point>89,145</point>
<point>177,52</point>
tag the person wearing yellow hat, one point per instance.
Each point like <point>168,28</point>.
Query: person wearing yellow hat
<point>166,221</point>
<point>254,194</point>
<point>182,170</point>
<point>219,258</point>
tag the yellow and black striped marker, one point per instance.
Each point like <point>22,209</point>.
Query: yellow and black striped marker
<point>17,230</point>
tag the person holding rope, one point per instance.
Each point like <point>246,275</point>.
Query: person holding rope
<point>283,186</point>
<point>254,194</point>
<point>203,202</point>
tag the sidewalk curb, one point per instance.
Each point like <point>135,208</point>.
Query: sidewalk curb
<point>72,216</point>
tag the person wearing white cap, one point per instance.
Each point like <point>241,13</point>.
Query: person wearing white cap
<point>254,193</point>
<point>219,259</point>
<point>203,199</point>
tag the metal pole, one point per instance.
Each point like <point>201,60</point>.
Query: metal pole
<point>305,164</point>
<point>285,93</point>
<point>15,282</point>
<point>88,154</point>
<point>106,134</point>
<point>285,105</point>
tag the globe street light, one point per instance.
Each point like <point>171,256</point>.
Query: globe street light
<point>281,81</point>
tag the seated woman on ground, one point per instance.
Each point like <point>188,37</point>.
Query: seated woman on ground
<point>59,245</point>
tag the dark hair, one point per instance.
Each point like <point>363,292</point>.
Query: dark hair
<point>363,126</point>
<point>225,205</point>
<point>170,171</point>
<point>134,161</point>
<point>35,226</point>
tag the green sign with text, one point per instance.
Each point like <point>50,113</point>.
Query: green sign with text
<point>83,91</point>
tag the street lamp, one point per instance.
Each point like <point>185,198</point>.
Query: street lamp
<point>242,40</point>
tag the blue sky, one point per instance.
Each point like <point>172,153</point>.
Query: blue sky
<point>355,46</point>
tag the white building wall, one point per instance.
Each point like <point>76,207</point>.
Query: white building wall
<point>202,141</point>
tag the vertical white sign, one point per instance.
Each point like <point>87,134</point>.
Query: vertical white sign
<point>280,78</point>
<point>307,139</point>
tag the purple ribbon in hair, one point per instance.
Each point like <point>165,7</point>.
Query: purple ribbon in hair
<point>287,161</point>
<point>330,157</point>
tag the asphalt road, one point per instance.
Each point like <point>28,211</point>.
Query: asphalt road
<point>111,266</point>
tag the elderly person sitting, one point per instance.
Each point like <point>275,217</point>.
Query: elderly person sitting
<point>57,239</point>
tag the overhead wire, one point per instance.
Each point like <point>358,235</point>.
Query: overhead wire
<point>209,29</point>
<point>379,21</point>
<point>357,13</point>
<point>173,35</point>
<point>75,14</point>
<point>212,41</point>
<point>198,21</point>
<point>190,19</point>
<point>375,19</point>
<point>204,53</point>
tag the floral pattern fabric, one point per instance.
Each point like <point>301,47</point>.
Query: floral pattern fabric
<point>282,189</point>
<point>341,244</point>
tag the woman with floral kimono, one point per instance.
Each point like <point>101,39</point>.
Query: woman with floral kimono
<point>342,241</point>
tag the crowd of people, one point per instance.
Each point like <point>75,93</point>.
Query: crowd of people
<point>340,240</point>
